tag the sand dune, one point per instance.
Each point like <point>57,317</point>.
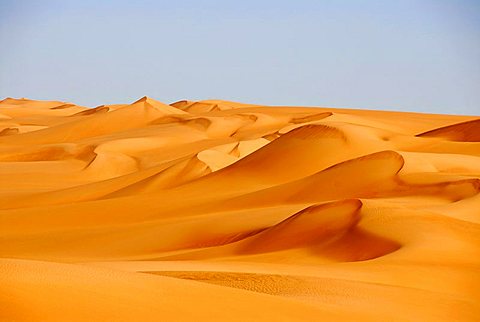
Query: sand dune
<point>217,210</point>
<point>463,132</point>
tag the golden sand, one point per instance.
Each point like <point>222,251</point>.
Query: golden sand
<point>214,210</point>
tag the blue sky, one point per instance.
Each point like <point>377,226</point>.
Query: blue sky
<point>396,55</point>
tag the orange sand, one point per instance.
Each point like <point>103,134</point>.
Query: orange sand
<point>214,210</point>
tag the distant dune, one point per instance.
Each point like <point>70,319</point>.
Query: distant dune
<point>222,211</point>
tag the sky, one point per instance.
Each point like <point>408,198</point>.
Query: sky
<point>421,55</point>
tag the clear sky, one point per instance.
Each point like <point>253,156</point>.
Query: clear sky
<point>421,55</point>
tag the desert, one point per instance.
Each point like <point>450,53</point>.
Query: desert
<point>218,210</point>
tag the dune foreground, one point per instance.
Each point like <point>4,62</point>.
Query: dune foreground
<point>214,210</point>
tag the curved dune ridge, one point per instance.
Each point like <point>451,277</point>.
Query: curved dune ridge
<point>217,210</point>
<point>463,132</point>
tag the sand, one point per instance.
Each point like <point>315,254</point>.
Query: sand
<point>215,210</point>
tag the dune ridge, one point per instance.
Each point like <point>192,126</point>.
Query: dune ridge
<point>217,210</point>
<point>468,131</point>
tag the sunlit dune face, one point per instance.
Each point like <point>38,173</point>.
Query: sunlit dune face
<point>217,210</point>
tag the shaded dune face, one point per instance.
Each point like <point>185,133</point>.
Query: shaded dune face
<point>329,231</point>
<point>462,132</point>
<point>217,210</point>
<point>309,227</point>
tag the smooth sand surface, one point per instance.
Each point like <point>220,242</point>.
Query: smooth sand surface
<point>219,211</point>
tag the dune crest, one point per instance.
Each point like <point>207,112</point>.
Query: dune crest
<point>217,210</point>
<point>468,131</point>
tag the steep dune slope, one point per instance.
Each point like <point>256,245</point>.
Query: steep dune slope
<point>464,132</point>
